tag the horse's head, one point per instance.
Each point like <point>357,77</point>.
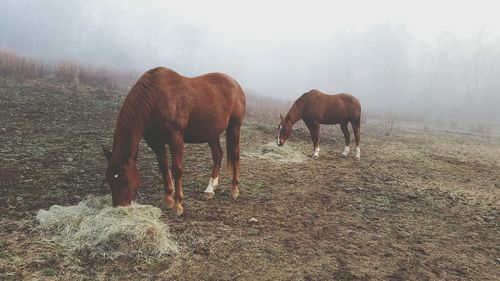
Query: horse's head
<point>123,179</point>
<point>284,130</point>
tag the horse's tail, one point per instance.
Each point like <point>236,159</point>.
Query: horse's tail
<point>233,145</point>
<point>230,147</point>
<point>356,125</point>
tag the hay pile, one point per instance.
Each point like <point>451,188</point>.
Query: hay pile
<point>282,154</point>
<point>96,227</point>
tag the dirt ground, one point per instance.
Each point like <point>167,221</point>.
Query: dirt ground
<point>421,204</point>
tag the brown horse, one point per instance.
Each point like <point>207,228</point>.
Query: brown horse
<point>164,107</point>
<point>315,108</point>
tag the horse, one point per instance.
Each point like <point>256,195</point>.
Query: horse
<point>166,108</point>
<point>315,108</point>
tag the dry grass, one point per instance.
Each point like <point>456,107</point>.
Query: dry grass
<point>96,227</point>
<point>15,66</point>
<point>282,154</point>
<point>67,72</point>
<point>265,109</point>
<point>72,73</point>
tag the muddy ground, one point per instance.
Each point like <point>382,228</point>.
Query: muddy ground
<point>422,204</point>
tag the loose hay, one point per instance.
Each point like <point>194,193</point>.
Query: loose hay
<point>282,154</point>
<point>95,226</point>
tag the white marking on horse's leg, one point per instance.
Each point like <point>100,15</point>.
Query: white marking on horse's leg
<point>169,199</point>
<point>358,152</point>
<point>346,151</point>
<point>212,185</point>
<point>316,152</point>
<point>170,179</point>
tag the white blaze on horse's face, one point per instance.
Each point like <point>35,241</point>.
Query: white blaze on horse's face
<point>346,151</point>
<point>279,132</point>
<point>212,184</point>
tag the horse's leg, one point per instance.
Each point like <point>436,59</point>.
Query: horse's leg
<point>177,151</point>
<point>214,180</point>
<point>313,127</point>
<point>356,125</point>
<point>233,154</point>
<point>162,157</point>
<point>345,130</point>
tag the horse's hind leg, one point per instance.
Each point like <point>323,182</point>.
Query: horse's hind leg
<point>356,125</point>
<point>162,157</point>
<point>314,131</point>
<point>347,136</point>
<point>233,154</point>
<point>214,180</point>
<point>177,152</point>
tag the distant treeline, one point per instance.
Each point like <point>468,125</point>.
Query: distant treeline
<point>67,72</point>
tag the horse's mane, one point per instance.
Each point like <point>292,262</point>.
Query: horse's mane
<point>133,117</point>
<point>295,112</point>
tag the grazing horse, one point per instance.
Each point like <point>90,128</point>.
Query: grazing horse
<point>315,108</point>
<point>164,107</point>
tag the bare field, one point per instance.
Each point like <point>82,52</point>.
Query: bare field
<point>422,204</point>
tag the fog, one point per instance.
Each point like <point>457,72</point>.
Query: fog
<point>435,59</point>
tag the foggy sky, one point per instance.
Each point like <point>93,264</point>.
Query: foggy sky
<point>434,58</point>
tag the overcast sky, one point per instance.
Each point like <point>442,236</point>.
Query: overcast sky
<point>374,49</point>
<point>271,22</point>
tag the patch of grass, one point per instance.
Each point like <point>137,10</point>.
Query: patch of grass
<point>197,184</point>
<point>383,200</point>
<point>259,126</point>
<point>49,272</point>
<point>255,187</point>
<point>52,194</point>
<point>3,255</point>
<point>45,257</point>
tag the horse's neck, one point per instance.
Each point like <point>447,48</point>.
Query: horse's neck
<point>129,130</point>
<point>295,112</point>
<point>126,144</point>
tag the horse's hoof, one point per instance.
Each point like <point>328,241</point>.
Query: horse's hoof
<point>315,156</point>
<point>170,202</point>
<point>208,195</point>
<point>235,193</point>
<point>179,210</point>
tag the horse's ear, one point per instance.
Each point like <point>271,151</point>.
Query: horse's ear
<point>107,153</point>
<point>281,117</point>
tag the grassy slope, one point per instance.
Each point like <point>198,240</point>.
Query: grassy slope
<point>419,205</point>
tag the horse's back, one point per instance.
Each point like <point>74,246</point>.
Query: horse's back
<point>193,93</point>
<point>201,107</point>
<point>332,109</point>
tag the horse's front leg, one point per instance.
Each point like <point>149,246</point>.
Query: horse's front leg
<point>161,155</point>
<point>313,127</point>
<point>214,180</point>
<point>168,185</point>
<point>177,151</point>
